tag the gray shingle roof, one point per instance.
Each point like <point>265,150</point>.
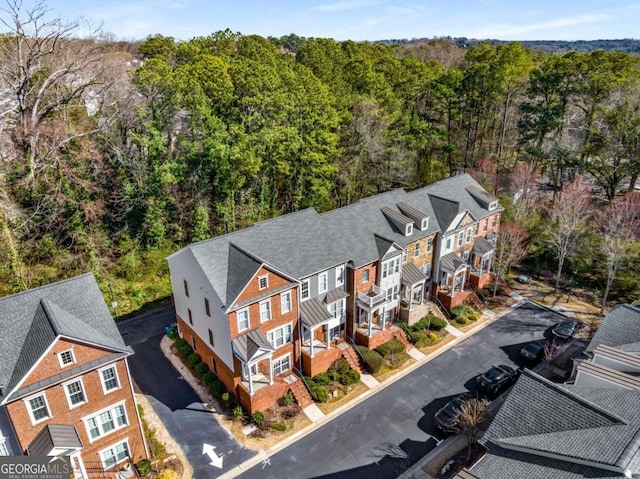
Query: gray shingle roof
<point>621,326</point>
<point>598,425</point>
<point>31,320</point>
<point>446,211</point>
<point>305,243</point>
<point>248,345</point>
<point>313,312</point>
<point>242,267</point>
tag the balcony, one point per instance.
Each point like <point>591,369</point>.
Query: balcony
<point>372,299</point>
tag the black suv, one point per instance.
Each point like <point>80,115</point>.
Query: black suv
<point>497,379</point>
<point>567,329</point>
<point>446,418</point>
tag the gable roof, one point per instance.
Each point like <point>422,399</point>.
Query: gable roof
<point>572,423</point>
<point>248,345</point>
<point>31,320</point>
<point>242,267</point>
<point>621,326</point>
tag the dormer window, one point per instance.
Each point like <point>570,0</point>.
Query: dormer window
<point>408,229</point>
<point>263,282</point>
<point>424,224</point>
<point>493,205</point>
<point>66,357</point>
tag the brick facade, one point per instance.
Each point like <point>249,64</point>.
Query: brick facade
<point>97,400</point>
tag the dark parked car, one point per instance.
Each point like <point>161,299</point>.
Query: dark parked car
<point>496,379</point>
<point>533,351</point>
<point>567,329</point>
<point>445,419</point>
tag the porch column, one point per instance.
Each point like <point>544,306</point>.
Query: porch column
<point>410,298</point>
<point>250,381</point>
<point>270,370</point>
<point>311,341</point>
<point>328,338</point>
<point>453,285</point>
<point>370,318</point>
<point>383,316</point>
<point>481,261</point>
<point>422,293</point>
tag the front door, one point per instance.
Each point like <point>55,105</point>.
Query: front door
<point>77,466</point>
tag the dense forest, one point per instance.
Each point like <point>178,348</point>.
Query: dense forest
<point>115,154</point>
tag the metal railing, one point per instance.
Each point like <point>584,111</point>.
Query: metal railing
<point>441,307</point>
<point>306,384</point>
<point>353,346</point>
<point>407,330</point>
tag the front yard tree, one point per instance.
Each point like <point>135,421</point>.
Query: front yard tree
<point>510,248</point>
<point>620,230</point>
<point>568,217</point>
<point>470,416</point>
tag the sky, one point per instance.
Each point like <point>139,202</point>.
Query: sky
<point>360,19</point>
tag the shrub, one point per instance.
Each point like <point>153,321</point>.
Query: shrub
<point>287,399</point>
<point>257,418</point>
<point>462,320</point>
<point>372,358</point>
<point>159,451</point>
<point>433,337</point>
<point>143,466</point>
<point>185,351</point>
<point>209,377</point>
<point>279,426</point>
<point>322,379</point>
<point>350,377</point>
<point>341,365</point>
<point>437,323</point>
<point>179,343</point>
<point>228,400</point>
<point>393,346</point>
<point>319,393</point>
<point>333,374</point>
<point>420,339</point>
<point>167,474</point>
<point>216,388</point>
<point>464,314</point>
<point>194,359</point>
<point>238,413</point>
<point>424,323</point>
<point>289,412</point>
<point>201,369</point>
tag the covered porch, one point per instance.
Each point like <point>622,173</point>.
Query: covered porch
<point>413,281</point>
<point>481,262</point>
<point>255,355</point>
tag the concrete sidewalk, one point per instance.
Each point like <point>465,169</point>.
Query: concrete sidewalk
<point>318,421</point>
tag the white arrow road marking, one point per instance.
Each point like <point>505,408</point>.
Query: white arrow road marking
<point>209,450</point>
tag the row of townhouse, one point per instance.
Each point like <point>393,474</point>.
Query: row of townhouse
<point>65,387</point>
<point>283,295</point>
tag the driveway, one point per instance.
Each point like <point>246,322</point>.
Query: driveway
<point>175,402</point>
<point>387,433</point>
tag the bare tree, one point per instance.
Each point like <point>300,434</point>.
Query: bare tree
<point>47,72</point>
<point>620,227</point>
<point>568,217</point>
<point>510,248</point>
<point>523,184</point>
<point>470,416</point>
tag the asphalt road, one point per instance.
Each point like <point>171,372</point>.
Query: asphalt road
<point>387,433</point>
<point>175,402</point>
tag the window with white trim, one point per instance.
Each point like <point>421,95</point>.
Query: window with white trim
<point>494,220</point>
<point>365,275</point>
<point>493,205</point>
<point>114,454</point>
<point>468,236</point>
<point>460,238</point>
<point>429,244</point>
<point>426,269</point>
<point>109,379</point>
<point>405,253</point>
<point>243,319</point>
<point>38,408</point>
<point>265,310</point>
<point>391,267</point>
<point>486,224</point>
<point>285,302</point>
<point>263,282</point>
<point>337,308</point>
<point>392,293</point>
<point>339,276</point>
<point>280,336</point>
<point>66,357</point>
<point>323,282</point>
<point>304,289</point>
<point>106,421</point>
<point>408,229</point>
<point>75,393</point>
<point>416,250</point>
<point>424,223</point>
<point>3,447</point>
<point>281,364</point>
<point>448,243</point>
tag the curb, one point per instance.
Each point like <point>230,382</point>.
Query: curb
<point>265,454</point>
